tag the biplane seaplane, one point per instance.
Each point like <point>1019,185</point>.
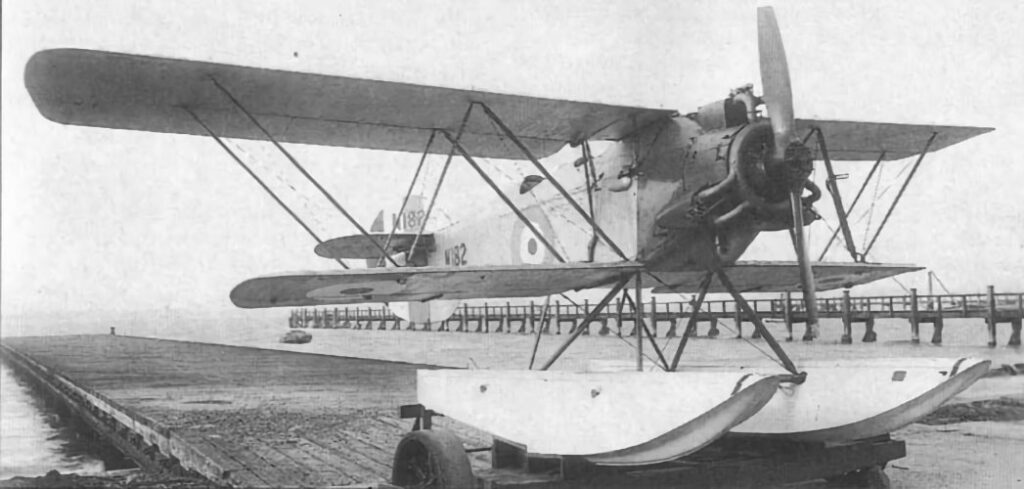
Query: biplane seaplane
<point>672,204</point>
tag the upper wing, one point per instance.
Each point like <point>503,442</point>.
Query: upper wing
<point>779,276</point>
<point>123,91</point>
<point>851,140</point>
<point>422,284</point>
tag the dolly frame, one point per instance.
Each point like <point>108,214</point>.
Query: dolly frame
<point>734,461</point>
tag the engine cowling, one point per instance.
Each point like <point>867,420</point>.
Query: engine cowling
<point>753,190</point>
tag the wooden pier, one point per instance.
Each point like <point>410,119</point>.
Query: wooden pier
<point>238,417</point>
<point>618,319</point>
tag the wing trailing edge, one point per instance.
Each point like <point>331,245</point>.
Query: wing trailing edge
<point>782,276</point>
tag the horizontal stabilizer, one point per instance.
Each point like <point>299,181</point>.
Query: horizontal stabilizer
<point>423,283</point>
<point>144,93</point>
<point>779,276</point>
<point>361,247</point>
<point>865,141</point>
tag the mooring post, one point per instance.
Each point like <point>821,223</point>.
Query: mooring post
<point>654,317</point>
<point>787,316</point>
<point>673,321</point>
<point>937,325</point>
<point>533,323</point>
<point>847,319</point>
<point>487,321</point>
<point>869,330</point>
<point>558,320</point>
<point>604,325</point>
<point>1015,335</point>
<point>618,316</point>
<point>713,331</point>
<point>738,317</point>
<point>756,334</point>
<point>586,312</point>
<point>915,320</point>
<point>992,319</point>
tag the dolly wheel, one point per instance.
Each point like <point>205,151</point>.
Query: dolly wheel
<point>431,459</point>
<point>873,477</point>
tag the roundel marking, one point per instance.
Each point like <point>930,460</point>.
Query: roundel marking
<point>526,246</point>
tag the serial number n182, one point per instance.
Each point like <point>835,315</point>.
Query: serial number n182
<point>456,255</point>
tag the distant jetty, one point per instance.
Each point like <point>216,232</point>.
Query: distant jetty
<point>558,318</point>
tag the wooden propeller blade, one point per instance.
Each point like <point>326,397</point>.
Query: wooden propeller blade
<point>778,93</point>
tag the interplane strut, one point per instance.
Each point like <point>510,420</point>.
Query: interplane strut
<point>405,201</point>
<point>903,188</point>
<point>558,186</point>
<point>298,166</point>
<point>849,210</point>
<point>259,180</point>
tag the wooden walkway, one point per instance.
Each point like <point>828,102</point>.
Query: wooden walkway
<point>243,417</point>
<point>992,308</point>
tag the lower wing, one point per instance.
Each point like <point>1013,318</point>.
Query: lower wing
<point>417,284</point>
<point>414,284</point>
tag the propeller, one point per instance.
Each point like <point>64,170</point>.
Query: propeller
<point>790,158</point>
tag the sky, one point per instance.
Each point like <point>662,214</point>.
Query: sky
<point>101,220</point>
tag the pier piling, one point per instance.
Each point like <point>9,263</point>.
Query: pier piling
<point>847,319</point>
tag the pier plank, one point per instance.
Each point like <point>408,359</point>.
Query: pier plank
<point>269,418</point>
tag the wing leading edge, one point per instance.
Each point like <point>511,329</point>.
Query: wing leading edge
<point>124,91</point>
<point>865,141</point>
<point>428,283</point>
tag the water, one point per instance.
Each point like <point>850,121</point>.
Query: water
<point>36,438</point>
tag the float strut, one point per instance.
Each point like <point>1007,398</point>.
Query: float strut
<point>589,317</point>
<point>837,200</point>
<point>860,257</point>
<point>536,341</point>
<point>691,322</point>
<point>786,362</point>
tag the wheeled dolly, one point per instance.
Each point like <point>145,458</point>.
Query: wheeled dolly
<point>437,459</point>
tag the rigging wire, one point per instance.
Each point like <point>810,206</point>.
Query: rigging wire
<point>870,212</point>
